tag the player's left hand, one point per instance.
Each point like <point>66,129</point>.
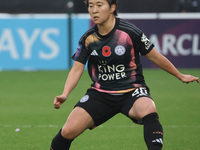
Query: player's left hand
<point>188,78</point>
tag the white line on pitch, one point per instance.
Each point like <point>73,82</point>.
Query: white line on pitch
<point>102,126</point>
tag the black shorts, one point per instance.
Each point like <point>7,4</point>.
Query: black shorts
<point>103,106</point>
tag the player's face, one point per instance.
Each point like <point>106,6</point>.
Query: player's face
<point>100,11</point>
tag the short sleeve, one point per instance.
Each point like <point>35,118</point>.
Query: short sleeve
<point>144,44</point>
<point>81,54</point>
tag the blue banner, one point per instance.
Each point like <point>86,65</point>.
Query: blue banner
<point>37,44</point>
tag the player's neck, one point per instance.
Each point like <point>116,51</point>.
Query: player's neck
<point>106,27</point>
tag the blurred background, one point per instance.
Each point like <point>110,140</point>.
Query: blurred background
<point>44,34</point>
<point>59,6</point>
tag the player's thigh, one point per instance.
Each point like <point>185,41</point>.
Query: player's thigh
<point>78,121</point>
<point>142,107</point>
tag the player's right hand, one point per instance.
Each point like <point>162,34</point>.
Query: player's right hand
<point>59,100</point>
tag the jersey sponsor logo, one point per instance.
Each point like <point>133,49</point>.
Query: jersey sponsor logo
<point>120,50</point>
<point>84,99</point>
<point>106,51</point>
<point>111,72</point>
<point>103,62</point>
<point>146,41</point>
<point>94,53</point>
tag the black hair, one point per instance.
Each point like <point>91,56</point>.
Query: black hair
<point>110,2</point>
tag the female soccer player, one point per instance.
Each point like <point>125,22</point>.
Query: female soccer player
<point>112,48</point>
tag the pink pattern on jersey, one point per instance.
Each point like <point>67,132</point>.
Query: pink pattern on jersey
<point>137,85</point>
<point>132,62</point>
<point>112,92</point>
<point>124,39</point>
<point>94,78</point>
<point>97,85</point>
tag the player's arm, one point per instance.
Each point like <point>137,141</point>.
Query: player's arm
<point>162,62</point>
<point>71,82</point>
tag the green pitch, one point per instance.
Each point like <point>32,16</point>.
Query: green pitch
<point>26,104</point>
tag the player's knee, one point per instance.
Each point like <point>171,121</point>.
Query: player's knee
<point>69,133</point>
<point>142,108</point>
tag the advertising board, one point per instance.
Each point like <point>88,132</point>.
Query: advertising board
<point>41,42</point>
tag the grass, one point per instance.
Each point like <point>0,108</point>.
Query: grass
<point>26,103</point>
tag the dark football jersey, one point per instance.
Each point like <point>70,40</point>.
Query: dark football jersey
<point>114,59</point>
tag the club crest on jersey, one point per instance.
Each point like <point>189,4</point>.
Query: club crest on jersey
<point>120,50</point>
<point>106,51</point>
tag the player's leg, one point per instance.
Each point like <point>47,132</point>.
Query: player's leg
<point>144,109</point>
<point>78,121</point>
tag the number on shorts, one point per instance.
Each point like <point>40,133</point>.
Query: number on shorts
<point>140,92</point>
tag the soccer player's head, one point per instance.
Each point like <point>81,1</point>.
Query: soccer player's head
<point>110,2</point>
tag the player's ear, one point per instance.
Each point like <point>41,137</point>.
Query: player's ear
<point>113,8</point>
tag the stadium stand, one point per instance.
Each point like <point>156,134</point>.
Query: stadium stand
<point>59,6</point>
